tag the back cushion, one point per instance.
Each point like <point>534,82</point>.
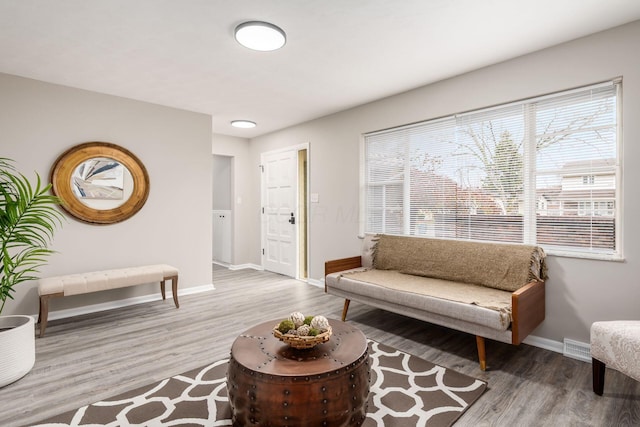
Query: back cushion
<point>500,266</point>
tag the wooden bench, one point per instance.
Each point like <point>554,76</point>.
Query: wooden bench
<point>83,283</point>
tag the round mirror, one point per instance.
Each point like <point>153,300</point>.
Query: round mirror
<point>100,182</point>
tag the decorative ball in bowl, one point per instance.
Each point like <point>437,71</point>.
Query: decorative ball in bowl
<point>303,332</point>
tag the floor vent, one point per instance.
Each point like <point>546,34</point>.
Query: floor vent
<point>577,350</point>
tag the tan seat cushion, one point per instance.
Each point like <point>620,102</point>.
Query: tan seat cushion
<point>470,303</point>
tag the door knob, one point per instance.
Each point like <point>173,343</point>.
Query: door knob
<point>292,220</point>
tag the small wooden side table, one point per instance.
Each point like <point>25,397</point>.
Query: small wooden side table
<point>272,384</point>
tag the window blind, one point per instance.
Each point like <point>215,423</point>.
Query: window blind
<point>541,171</point>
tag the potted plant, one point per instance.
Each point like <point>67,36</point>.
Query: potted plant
<point>28,218</point>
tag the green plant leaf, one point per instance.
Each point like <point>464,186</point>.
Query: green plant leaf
<point>28,220</point>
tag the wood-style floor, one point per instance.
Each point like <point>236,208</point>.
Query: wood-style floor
<point>92,357</point>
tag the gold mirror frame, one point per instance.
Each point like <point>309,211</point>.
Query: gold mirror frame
<point>68,162</point>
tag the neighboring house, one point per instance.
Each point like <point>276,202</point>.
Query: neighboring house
<point>548,201</point>
<point>588,189</point>
<point>567,213</point>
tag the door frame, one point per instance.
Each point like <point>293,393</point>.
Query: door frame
<point>299,147</point>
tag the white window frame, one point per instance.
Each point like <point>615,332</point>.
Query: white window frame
<point>530,202</point>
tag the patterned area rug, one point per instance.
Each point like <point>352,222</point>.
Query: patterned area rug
<point>404,391</point>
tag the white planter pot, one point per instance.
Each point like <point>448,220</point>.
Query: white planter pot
<point>18,347</point>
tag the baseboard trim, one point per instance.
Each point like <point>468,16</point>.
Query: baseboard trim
<point>545,343</point>
<point>95,308</point>
<point>238,266</point>
<point>243,266</point>
<point>316,283</point>
<point>221,264</point>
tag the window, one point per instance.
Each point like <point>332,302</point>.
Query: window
<point>542,171</point>
<point>595,208</point>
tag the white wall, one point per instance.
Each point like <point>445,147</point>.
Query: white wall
<point>578,291</point>
<point>38,121</point>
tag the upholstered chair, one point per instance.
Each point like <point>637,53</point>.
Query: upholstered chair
<point>615,344</point>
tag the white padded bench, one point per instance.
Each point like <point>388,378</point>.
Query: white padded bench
<point>83,283</point>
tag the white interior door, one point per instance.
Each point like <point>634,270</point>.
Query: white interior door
<point>279,218</point>
<point>222,236</point>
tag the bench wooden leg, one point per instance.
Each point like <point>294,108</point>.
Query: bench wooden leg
<point>40,310</point>
<point>482,356</point>
<point>174,289</point>
<point>43,312</point>
<point>345,309</point>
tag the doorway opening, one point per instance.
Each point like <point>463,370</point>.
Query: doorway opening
<point>222,210</point>
<point>302,214</point>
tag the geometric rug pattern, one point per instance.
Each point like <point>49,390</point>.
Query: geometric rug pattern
<point>408,391</point>
<point>405,391</point>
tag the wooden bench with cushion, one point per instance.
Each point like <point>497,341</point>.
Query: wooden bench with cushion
<point>83,283</point>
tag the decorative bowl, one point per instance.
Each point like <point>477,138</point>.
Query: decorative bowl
<point>302,342</point>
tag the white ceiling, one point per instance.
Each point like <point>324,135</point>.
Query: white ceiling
<point>339,53</point>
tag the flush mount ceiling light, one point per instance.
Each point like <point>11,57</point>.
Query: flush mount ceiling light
<point>258,35</point>
<point>244,124</point>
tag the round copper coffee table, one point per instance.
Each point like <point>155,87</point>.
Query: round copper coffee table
<point>272,384</point>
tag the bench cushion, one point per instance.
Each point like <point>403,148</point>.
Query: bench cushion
<point>450,299</point>
<point>75,284</point>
